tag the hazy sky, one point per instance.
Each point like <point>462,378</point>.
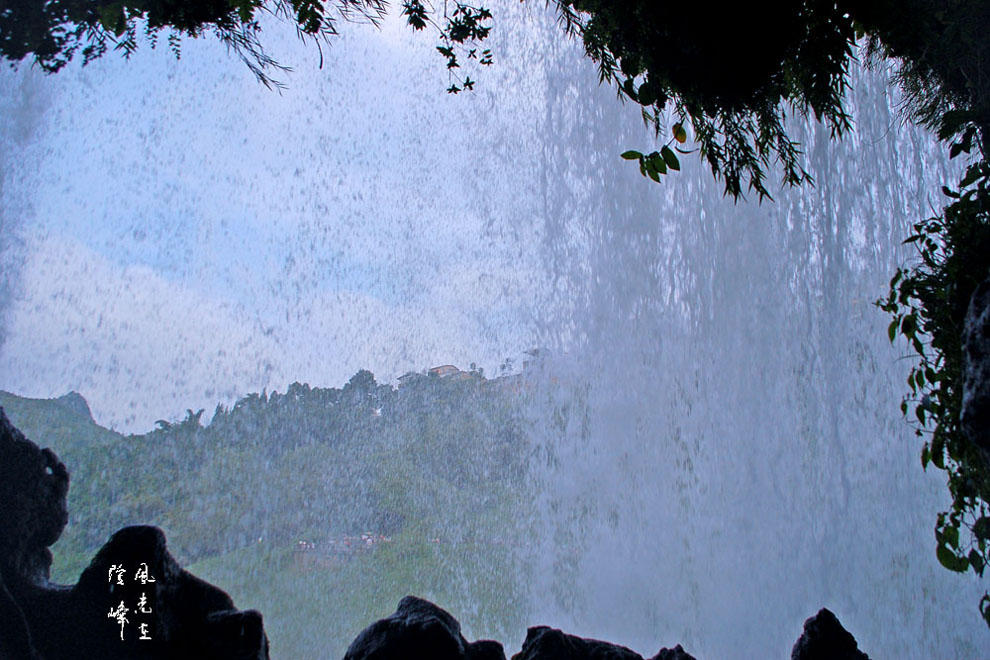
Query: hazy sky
<point>189,236</point>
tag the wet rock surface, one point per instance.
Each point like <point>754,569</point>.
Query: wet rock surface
<point>824,638</point>
<point>975,415</point>
<point>33,510</point>
<point>545,643</point>
<point>676,653</point>
<point>133,601</point>
<point>419,629</point>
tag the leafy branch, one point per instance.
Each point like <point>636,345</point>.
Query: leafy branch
<point>53,32</point>
<point>463,26</point>
<point>928,303</point>
<point>665,60</point>
<point>654,164</point>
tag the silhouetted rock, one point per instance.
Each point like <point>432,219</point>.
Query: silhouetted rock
<point>33,512</point>
<point>545,643</point>
<point>824,638</point>
<point>419,630</point>
<point>179,615</point>
<point>183,616</point>
<point>15,638</point>
<point>676,653</point>
<point>975,416</point>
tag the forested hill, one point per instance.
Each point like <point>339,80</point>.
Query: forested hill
<point>440,456</point>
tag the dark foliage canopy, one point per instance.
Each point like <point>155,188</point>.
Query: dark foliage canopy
<point>53,32</point>
<point>733,73</point>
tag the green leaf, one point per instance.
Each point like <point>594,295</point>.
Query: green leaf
<point>631,155</point>
<point>246,12</point>
<point>938,452</point>
<point>908,325</point>
<point>653,175</point>
<point>952,121</point>
<point>976,561</point>
<point>647,93</point>
<point>657,162</point>
<point>416,12</point>
<point>967,141</point>
<point>630,91</point>
<point>949,559</point>
<point>112,18</point>
<point>926,456</point>
<point>951,536</point>
<point>670,159</point>
<point>981,528</point>
<point>892,330</point>
<point>972,174</point>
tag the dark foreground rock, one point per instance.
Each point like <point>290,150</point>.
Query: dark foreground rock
<point>975,416</point>
<point>824,638</point>
<point>676,653</point>
<point>419,630</point>
<point>133,601</point>
<point>545,643</point>
<point>33,511</point>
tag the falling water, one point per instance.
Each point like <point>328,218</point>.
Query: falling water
<point>730,451</point>
<point>714,413</point>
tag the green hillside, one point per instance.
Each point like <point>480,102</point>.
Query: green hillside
<point>315,501</point>
<point>57,423</point>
